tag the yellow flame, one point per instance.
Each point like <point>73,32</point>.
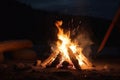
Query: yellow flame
<point>64,42</point>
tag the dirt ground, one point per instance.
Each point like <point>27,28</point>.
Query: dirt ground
<point>26,70</point>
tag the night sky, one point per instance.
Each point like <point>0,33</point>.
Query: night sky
<point>23,22</point>
<point>96,8</point>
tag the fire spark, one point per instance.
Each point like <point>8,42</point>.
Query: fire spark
<point>69,51</point>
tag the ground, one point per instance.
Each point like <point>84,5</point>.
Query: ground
<point>22,70</point>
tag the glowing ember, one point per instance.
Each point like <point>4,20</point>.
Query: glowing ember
<point>69,51</point>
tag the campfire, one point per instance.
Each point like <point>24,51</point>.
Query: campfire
<point>67,51</point>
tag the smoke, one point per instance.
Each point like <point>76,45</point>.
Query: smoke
<point>82,35</point>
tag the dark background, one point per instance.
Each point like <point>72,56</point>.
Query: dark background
<point>24,21</point>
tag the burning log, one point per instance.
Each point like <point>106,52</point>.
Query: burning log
<point>69,52</point>
<point>73,59</point>
<point>49,60</point>
<point>86,61</point>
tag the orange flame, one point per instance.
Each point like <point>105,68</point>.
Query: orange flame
<point>64,42</point>
<point>63,45</point>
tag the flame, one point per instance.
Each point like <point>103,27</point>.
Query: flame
<point>64,42</point>
<point>64,46</point>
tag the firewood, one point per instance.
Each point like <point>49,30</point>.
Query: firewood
<point>73,59</point>
<point>49,60</point>
<point>85,60</point>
